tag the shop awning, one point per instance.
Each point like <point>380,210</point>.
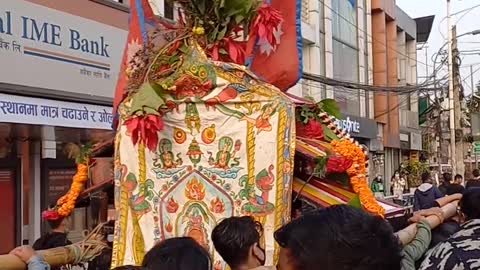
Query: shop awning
<point>326,194</point>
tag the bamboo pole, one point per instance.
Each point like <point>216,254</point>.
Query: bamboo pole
<point>83,251</point>
<point>408,234</point>
<point>55,257</point>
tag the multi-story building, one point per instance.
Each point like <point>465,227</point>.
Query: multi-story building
<point>369,42</point>
<point>338,44</point>
<point>395,64</point>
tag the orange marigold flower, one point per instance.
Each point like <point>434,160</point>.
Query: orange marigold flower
<point>357,173</point>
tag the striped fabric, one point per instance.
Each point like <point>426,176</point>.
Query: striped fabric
<point>324,193</point>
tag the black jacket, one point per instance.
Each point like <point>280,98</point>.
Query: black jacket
<point>425,196</point>
<point>52,240</point>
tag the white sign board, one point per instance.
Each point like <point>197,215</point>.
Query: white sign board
<point>45,48</point>
<point>350,126</point>
<point>36,111</point>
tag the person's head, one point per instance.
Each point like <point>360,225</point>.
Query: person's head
<point>58,225</point>
<point>476,173</point>
<point>396,175</point>
<point>447,178</point>
<point>426,177</point>
<point>237,239</point>
<point>458,179</point>
<point>182,253</point>
<point>338,237</point>
<point>297,208</point>
<point>469,205</point>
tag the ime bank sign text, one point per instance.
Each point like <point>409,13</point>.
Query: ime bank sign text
<point>40,30</point>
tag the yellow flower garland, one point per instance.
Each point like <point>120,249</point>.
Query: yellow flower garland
<point>358,174</point>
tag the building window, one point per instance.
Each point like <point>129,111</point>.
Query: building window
<point>345,67</point>
<point>345,53</point>
<point>345,21</point>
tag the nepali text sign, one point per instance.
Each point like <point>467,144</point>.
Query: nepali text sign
<point>45,48</point>
<point>35,111</point>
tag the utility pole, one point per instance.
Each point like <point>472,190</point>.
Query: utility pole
<point>472,85</point>
<point>457,107</point>
<point>451,90</point>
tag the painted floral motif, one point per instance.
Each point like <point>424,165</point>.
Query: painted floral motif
<point>179,135</point>
<point>195,190</point>
<point>172,206</point>
<point>217,206</point>
<point>169,227</point>
<point>209,134</point>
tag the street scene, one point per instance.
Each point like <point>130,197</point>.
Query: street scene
<point>239,134</point>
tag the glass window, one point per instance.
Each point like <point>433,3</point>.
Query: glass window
<point>344,22</point>
<point>345,67</point>
<point>345,62</point>
<point>322,15</point>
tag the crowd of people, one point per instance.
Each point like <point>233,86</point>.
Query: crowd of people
<point>337,237</point>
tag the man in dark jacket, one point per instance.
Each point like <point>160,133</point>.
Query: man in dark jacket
<point>426,194</point>
<point>475,182</point>
<point>57,237</point>
<point>456,186</point>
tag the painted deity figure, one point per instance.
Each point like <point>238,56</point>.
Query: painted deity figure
<point>225,155</point>
<point>166,156</point>
<point>195,228</point>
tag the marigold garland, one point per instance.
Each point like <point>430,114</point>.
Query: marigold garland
<point>66,203</point>
<point>358,174</point>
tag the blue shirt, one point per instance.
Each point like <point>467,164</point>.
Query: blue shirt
<point>37,263</point>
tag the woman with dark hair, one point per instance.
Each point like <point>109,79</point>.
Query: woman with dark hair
<point>181,253</point>
<point>338,237</point>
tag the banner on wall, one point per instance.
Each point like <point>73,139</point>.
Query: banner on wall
<point>36,111</point>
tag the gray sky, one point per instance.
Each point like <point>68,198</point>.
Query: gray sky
<point>465,22</point>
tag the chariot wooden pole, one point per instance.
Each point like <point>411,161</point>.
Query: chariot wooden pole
<point>54,257</point>
<point>83,251</point>
<point>408,234</point>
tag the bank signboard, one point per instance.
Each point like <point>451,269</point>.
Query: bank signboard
<point>49,49</point>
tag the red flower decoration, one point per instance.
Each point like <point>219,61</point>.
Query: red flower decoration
<point>50,215</point>
<point>172,206</point>
<point>313,130</point>
<point>338,164</point>
<point>266,23</point>
<point>145,129</point>
<point>236,51</point>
